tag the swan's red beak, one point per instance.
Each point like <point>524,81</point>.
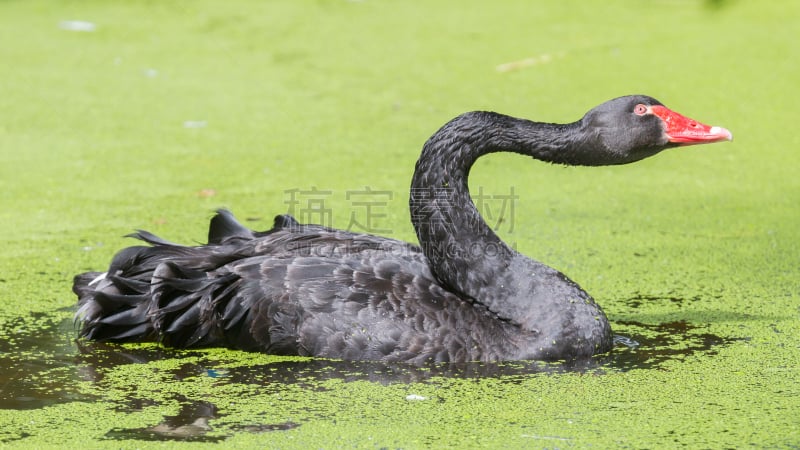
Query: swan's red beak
<point>685,131</point>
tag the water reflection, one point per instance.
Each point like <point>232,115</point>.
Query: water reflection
<point>37,362</point>
<point>191,424</point>
<point>658,343</point>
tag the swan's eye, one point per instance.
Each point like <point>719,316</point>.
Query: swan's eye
<point>640,109</point>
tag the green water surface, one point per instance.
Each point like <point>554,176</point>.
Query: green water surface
<point>123,115</point>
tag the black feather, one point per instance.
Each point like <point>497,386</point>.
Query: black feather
<point>224,226</point>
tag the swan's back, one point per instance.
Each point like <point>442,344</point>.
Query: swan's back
<point>293,290</point>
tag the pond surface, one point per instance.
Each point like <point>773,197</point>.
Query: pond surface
<point>44,365</point>
<point>123,116</point>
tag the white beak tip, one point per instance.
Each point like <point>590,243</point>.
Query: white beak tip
<point>722,132</point>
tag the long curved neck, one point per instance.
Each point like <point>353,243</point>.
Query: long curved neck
<point>465,254</point>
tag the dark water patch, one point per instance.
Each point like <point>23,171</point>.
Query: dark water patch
<point>37,362</point>
<point>6,439</point>
<point>95,358</point>
<point>647,346</point>
<point>673,300</point>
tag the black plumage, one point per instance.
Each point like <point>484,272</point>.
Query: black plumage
<point>462,295</point>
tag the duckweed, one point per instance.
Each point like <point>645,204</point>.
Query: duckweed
<point>129,115</point>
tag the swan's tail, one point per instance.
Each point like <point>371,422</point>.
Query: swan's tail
<point>112,308</point>
<point>168,292</point>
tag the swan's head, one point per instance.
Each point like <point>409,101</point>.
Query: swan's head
<point>627,129</point>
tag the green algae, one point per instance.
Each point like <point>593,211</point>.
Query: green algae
<point>169,110</point>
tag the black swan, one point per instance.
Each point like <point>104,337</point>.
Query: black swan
<point>462,295</point>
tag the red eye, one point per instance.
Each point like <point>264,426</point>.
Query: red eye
<point>640,109</point>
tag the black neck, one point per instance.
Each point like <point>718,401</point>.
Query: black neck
<point>465,254</point>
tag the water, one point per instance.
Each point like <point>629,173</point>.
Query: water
<point>295,94</point>
<point>43,365</point>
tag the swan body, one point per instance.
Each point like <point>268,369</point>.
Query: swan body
<point>461,295</point>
